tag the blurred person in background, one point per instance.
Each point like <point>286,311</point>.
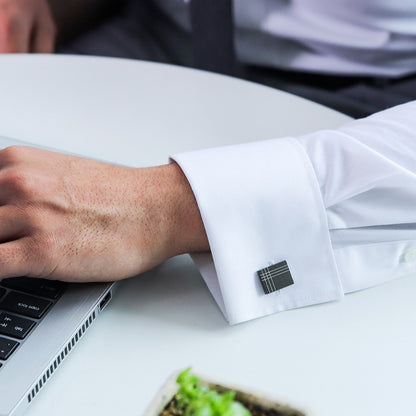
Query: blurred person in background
<point>355,56</point>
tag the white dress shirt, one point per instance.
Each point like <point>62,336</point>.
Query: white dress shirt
<point>362,37</point>
<point>338,205</point>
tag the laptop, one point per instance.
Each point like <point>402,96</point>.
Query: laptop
<point>41,322</point>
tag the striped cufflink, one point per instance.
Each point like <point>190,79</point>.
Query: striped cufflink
<point>275,277</point>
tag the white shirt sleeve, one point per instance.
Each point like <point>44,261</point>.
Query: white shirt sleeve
<point>339,206</point>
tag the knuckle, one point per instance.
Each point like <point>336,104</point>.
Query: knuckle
<point>21,181</point>
<point>11,154</point>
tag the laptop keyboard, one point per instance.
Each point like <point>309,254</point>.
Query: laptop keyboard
<point>23,303</point>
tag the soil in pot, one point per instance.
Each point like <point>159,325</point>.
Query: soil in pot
<point>255,410</point>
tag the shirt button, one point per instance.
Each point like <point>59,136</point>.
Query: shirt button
<point>410,255</point>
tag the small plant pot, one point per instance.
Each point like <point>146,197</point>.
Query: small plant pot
<point>257,403</point>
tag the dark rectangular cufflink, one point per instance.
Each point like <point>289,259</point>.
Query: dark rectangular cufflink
<point>275,277</point>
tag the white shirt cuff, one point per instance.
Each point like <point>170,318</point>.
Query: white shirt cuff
<point>261,204</point>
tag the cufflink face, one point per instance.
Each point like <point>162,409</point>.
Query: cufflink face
<point>275,277</point>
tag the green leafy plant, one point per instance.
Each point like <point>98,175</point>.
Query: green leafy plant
<point>198,400</point>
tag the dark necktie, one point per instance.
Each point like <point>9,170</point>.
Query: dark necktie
<point>213,35</point>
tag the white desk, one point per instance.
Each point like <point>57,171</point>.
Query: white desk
<point>354,357</point>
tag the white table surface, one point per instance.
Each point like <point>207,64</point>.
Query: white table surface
<point>354,357</point>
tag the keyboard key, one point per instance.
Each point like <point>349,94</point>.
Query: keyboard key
<point>7,346</point>
<point>50,289</point>
<point>25,305</point>
<point>14,326</point>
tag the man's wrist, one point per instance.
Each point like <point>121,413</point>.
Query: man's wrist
<point>182,222</point>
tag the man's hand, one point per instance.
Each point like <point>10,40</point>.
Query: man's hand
<point>26,26</point>
<point>69,218</point>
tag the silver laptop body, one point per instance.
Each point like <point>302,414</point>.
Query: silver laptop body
<point>29,363</point>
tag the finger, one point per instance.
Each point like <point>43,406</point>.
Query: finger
<point>15,33</point>
<point>13,224</point>
<point>43,41</point>
<point>14,259</point>
<point>43,38</point>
